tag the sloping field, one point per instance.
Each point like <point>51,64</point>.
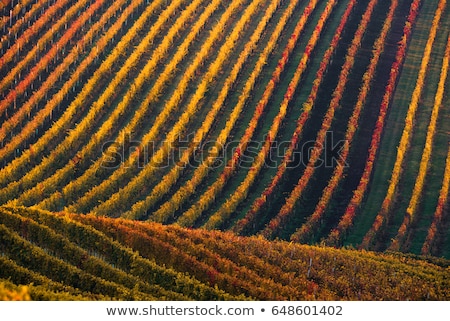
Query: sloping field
<point>313,122</point>
<point>76,257</point>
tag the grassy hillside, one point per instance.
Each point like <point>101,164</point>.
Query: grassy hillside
<point>62,256</point>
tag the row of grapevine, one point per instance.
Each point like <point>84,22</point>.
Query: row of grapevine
<point>167,209</point>
<point>213,268</point>
<point>82,129</point>
<point>81,184</point>
<point>439,214</point>
<point>351,211</point>
<point>303,272</point>
<point>165,283</point>
<point>405,140</point>
<point>13,12</point>
<point>352,126</point>
<point>15,168</point>
<point>167,181</point>
<point>58,269</point>
<point>424,163</point>
<point>156,243</point>
<point>320,273</point>
<point>30,32</point>
<point>110,185</point>
<point>226,245</point>
<point>32,12</point>
<point>353,123</point>
<point>77,186</point>
<point>33,126</point>
<point>13,30</point>
<point>328,266</point>
<point>194,212</point>
<point>260,202</point>
<point>411,211</point>
<point>58,246</point>
<point>53,78</point>
<point>287,209</point>
<point>406,134</point>
<point>297,265</point>
<point>65,174</point>
<point>46,60</point>
<point>129,192</point>
<point>43,287</point>
<point>229,207</point>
